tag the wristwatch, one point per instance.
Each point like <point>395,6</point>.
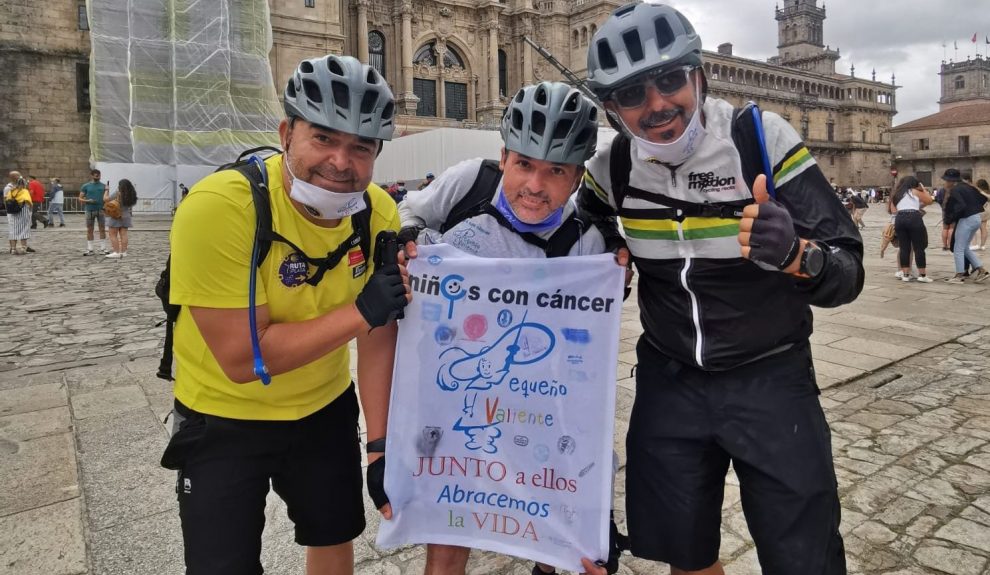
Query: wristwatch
<point>812,260</point>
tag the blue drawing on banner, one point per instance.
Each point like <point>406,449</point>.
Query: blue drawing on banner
<point>444,335</point>
<point>452,288</point>
<point>504,318</point>
<point>541,453</point>
<point>431,311</point>
<point>576,335</point>
<point>435,260</point>
<point>522,344</point>
<point>577,376</point>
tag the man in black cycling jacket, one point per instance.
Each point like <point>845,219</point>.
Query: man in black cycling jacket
<point>728,275</point>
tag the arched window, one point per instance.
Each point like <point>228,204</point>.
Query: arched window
<point>574,39</point>
<point>503,72</point>
<point>584,36</point>
<point>960,82</point>
<point>376,51</point>
<point>450,83</point>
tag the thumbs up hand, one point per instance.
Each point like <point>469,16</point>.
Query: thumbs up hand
<point>766,233</point>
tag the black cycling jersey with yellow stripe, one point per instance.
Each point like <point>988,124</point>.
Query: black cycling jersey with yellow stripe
<point>700,301</point>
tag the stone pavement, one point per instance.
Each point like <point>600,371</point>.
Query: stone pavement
<point>902,371</point>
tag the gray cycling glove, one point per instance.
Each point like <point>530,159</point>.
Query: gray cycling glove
<point>773,242</point>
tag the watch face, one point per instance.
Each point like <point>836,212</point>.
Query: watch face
<point>814,259</point>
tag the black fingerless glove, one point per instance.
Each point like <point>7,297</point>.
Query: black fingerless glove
<point>409,234</point>
<point>773,242</point>
<point>383,297</point>
<point>376,482</point>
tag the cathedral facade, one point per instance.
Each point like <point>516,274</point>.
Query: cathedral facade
<point>454,63</point>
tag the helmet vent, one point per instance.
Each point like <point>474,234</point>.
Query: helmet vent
<point>520,95</point>
<point>562,129</point>
<point>372,76</point>
<point>334,66</point>
<point>593,114</point>
<point>306,67</point>
<point>538,123</point>
<point>582,138</point>
<point>368,101</point>
<point>290,89</point>
<point>623,11</point>
<point>387,111</point>
<point>571,105</point>
<point>341,95</point>
<point>541,96</point>
<point>634,47</point>
<point>312,91</point>
<point>605,56</point>
<point>688,28</point>
<point>517,120</point>
<point>665,36</point>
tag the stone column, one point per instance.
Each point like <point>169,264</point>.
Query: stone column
<point>408,100</point>
<point>362,29</point>
<point>493,93</point>
<point>527,53</point>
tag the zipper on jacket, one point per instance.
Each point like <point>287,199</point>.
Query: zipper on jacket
<point>695,310</point>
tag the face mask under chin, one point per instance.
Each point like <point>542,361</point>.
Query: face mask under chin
<point>320,203</point>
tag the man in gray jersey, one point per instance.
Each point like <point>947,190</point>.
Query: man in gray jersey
<point>521,208</point>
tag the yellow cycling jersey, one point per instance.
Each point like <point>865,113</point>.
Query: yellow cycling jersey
<point>211,241</point>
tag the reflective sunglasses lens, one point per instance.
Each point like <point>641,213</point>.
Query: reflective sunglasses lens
<point>671,82</point>
<point>630,96</point>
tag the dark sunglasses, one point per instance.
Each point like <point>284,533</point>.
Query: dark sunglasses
<point>668,82</point>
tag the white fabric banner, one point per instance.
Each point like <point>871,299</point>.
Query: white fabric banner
<point>503,402</point>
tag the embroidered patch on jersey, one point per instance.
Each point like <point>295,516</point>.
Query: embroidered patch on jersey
<point>357,263</point>
<point>293,270</point>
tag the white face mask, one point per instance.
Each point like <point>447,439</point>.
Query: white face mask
<point>324,204</point>
<point>678,151</point>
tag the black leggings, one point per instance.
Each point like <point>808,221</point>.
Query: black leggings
<point>911,234</point>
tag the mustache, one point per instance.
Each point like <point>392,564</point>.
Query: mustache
<point>527,193</point>
<point>662,117</point>
<point>331,173</point>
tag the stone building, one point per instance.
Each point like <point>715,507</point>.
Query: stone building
<point>958,135</point>
<point>450,63</point>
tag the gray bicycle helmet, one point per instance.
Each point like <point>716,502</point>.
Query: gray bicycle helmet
<point>341,93</point>
<point>637,38</point>
<point>551,121</point>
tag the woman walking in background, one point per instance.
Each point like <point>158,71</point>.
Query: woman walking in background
<point>908,199</point>
<point>18,200</point>
<point>126,197</point>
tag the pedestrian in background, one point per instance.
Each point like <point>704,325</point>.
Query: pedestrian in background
<point>17,201</point>
<point>91,195</point>
<point>126,196</point>
<point>37,202</point>
<point>984,188</point>
<point>429,180</point>
<point>963,207</point>
<point>56,199</point>
<point>909,198</point>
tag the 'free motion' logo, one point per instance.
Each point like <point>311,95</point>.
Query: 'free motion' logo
<point>452,289</point>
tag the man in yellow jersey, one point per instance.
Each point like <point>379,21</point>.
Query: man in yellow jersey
<point>235,436</point>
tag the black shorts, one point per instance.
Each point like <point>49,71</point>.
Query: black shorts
<point>224,470</point>
<point>686,427</point>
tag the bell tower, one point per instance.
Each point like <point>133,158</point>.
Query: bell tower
<point>800,37</point>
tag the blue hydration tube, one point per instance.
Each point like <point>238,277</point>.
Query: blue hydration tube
<point>767,168</point>
<point>260,369</point>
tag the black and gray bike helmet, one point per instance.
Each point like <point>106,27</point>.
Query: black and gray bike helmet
<point>551,121</point>
<point>341,93</point>
<point>637,38</point>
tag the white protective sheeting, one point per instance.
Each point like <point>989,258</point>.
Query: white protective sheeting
<point>177,88</point>
<point>409,158</point>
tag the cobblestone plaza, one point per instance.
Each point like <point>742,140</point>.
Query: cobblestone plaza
<point>903,372</point>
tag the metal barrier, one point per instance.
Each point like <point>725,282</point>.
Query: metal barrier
<point>72,205</point>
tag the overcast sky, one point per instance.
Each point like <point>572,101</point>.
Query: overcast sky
<point>900,36</point>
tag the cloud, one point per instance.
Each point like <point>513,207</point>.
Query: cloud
<point>901,37</point>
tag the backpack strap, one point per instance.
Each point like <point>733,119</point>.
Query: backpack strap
<point>568,234</point>
<point>481,193</point>
<point>619,166</point>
